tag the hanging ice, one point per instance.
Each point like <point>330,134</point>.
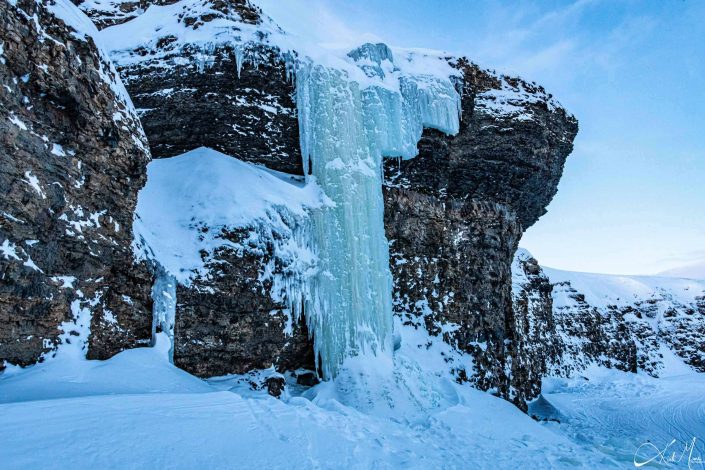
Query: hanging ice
<point>347,125</point>
<point>164,307</point>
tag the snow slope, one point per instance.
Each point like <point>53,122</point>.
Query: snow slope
<point>191,198</point>
<point>691,271</point>
<point>602,290</point>
<point>137,411</point>
<point>630,417</point>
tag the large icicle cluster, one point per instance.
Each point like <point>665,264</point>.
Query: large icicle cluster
<point>164,308</point>
<point>346,127</point>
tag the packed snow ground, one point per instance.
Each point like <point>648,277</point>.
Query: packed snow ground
<point>137,410</point>
<point>632,418</point>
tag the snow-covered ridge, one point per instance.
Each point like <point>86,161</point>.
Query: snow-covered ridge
<point>190,200</point>
<point>636,323</point>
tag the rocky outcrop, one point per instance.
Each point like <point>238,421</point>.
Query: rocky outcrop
<point>634,324</point>
<point>534,345</point>
<point>243,106</point>
<point>454,214</point>
<point>113,12</point>
<point>256,333</point>
<point>72,159</point>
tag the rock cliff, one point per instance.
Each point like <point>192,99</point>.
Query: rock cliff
<point>454,214</point>
<point>72,160</point>
<point>632,323</point>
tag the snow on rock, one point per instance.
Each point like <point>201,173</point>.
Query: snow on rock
<point>189,200</point>
<point>631,323</point>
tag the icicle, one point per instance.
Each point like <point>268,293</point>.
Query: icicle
<point>345,131</point>
<point>164,307</point>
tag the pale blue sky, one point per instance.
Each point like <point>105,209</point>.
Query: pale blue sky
<point>632,198</point>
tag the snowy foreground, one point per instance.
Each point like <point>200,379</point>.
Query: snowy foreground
<point>137,410</point>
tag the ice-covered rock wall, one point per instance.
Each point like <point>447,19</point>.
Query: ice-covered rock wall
<point>236,238</point>
<point>212,74</point>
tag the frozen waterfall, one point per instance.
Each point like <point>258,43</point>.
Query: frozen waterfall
<point>164,307</point>
<point>350,120</point>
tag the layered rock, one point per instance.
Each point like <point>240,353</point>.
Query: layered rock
<point>454,214</point>
<point>72,159</point>
<point>233,96</point>
<point>631,323</point>
<point>535,345</point>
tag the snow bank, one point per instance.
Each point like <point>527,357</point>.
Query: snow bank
<point>190,199</point>
<point>603,290</point>
<point>138,411</point>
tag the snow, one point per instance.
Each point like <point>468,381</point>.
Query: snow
<point>205,189</point>
<point>58,150</point>
<point>67,282</point>
<point>603,290</point>
<point>629,417</point>
<point>690,271</point>
<point>17,122</point>
<point>9,250</point>
<point>74,18</point>
<point>33,181</point>
<point>137,410</point>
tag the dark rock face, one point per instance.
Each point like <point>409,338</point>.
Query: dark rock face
<point>510,150</point>
<point>454,216</point>
<point>239,102</point>
<point>533,342</point>
<point>247,111</point>
<point>228,323</point>
<point>450,274</point>
<point>72,159</point>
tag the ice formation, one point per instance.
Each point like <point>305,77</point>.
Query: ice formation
<point>164,307</point>
<point>346,127</point>
<point>355,108</point>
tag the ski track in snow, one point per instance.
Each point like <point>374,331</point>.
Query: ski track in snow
<point>617,413</point>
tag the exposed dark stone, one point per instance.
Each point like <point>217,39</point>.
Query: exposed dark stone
<point>307,378</point>
<point>72,159</point>
<point>499,158</point>
<point>448,263</point>
<point>533,344</point>
<point>246,112</point>
<point>454,216</point>
<point>228,323</point>
<point>275,385</point>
